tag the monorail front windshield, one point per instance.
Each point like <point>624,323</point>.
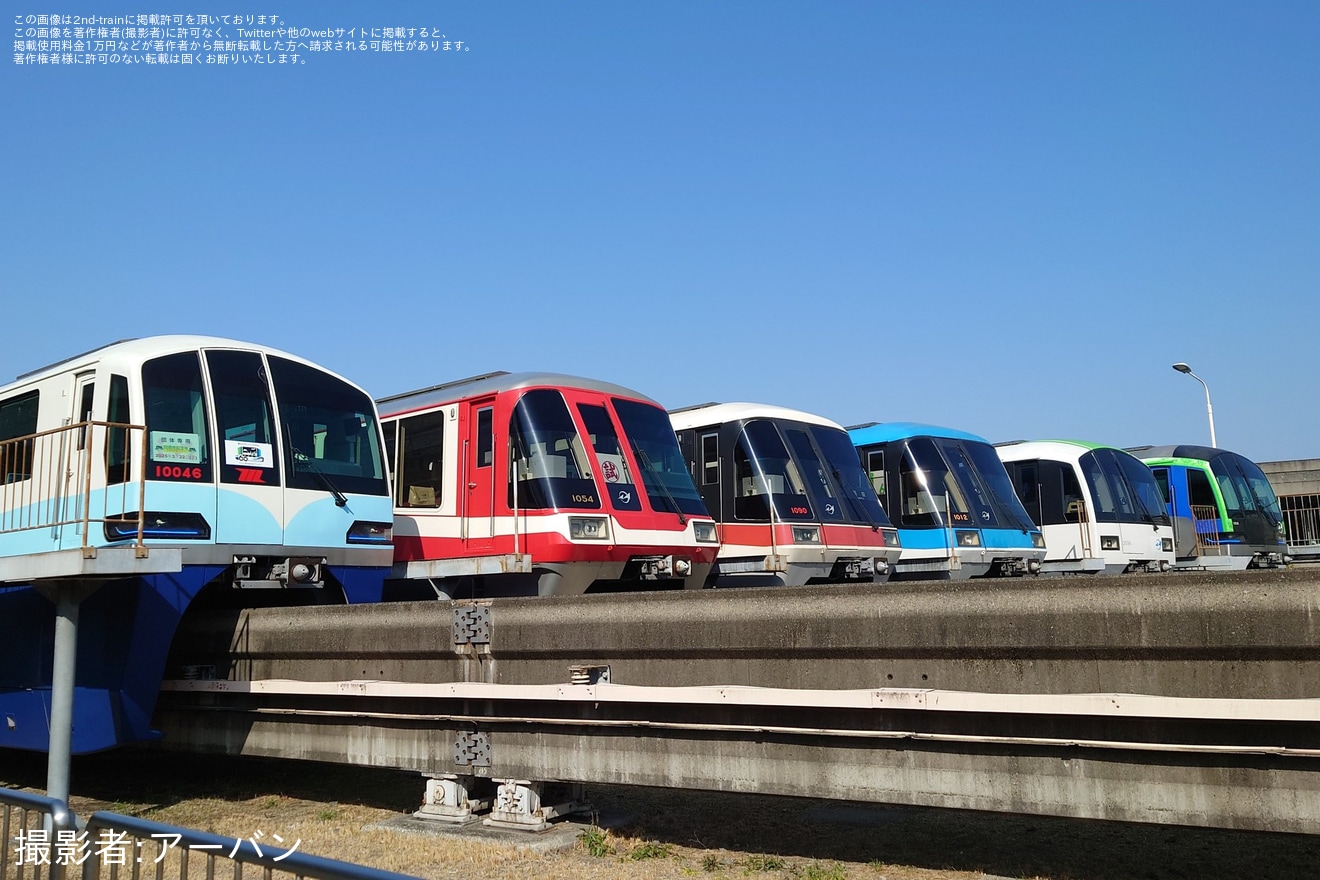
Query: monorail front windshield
<point>1246,490</point>
<point>664,470</point>
<point>809,472</point>
<point>331,438</point>
<point>947,482</point>
<point>330,431</point>
<point>1122,488</point>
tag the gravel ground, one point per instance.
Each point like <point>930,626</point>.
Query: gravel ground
<point>338,812</point>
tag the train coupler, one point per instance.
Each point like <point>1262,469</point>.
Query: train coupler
<point>651,568</point>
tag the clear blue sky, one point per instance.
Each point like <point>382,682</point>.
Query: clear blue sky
<point>1008,217</point>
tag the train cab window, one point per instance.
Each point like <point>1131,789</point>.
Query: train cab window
<point>664,470</point>
<point>117,445</point>
<point>604,440</point>
<point>765,474</point>
<point>245,417</point>
<point>178,439</point>
<point>18,419</point>
<point>330,432</point>
<point>421,454</point>
<point>931,492</point>
<point>710,459</point>
<point>549,458</point>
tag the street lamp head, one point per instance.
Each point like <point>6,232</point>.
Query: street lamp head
<point>1182,368</point>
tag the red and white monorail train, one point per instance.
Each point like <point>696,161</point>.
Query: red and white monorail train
<point>786,487</point>
<point>541,484</point>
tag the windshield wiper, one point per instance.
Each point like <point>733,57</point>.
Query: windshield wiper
<point>341,500</point>
<point>645,461</point>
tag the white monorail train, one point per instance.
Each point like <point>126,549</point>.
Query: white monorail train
<point>264,469</point>
<point>1099,508</point>
<point>793,504</point>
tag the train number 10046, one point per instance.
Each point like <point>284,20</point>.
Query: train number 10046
<point>175,472</point>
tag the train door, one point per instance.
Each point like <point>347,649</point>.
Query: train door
<point>77,451</point>
<point>479,463</point>
<point>250,504</point>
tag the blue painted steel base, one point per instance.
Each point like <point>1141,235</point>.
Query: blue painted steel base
<point>124,633</point>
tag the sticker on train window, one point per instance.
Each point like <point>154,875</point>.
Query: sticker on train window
<point>176,447</point>
<point>249,453</point>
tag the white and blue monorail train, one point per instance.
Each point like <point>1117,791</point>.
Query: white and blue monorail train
<point>949,495</point>
<point>263,469</point>
<point>1099,507</point>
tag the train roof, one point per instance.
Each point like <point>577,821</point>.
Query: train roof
<point>492,383</point>
<point>1021,450</point>
<point>1185,450</point>
<point>704,414</point>
<point>147,347</point>
<point>883,432</point>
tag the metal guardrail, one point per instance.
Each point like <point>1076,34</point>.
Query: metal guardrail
<point>1301,513</point>
<point>47,478</point>
<point>42,840</point>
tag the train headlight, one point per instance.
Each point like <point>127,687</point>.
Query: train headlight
<point>891,537</point>
<point>705,532</point>
<point>1109,542</point>
<point>967,537</point>
<point>806,534</point>
<point>363,532</point>
<point>1166,544</point>
<point>1038,540</point>
<point>588,528</point>
<point>158,524</point>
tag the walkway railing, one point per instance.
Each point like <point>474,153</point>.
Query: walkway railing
<point>42,840</point>
<point>74,476</point>
<point>1301,514</point>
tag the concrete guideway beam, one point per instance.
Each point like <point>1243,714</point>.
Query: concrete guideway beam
<point>1249,636</point>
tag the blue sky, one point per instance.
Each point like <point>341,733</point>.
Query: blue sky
<point>1007,217</point>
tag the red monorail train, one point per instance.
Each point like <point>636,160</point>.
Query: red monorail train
<point>541,484</point>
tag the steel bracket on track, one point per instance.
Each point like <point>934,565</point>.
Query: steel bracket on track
<point>472,624</point>
<point>472,749</point>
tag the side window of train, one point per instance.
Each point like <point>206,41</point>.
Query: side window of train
<point>178,440</point>
<point>1162,480</point>
<point>18,418</point>
<point>1074,502</point>
<point>1026,483</point>
<point>485,437</point>
<point>88,391</point>
<point>117,436</point>
<point>710,459</point>
<point>875,471</point>
<point>421,455</point>
<point>1199,492</point>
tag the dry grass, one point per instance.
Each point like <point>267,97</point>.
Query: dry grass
<point>671,835</point>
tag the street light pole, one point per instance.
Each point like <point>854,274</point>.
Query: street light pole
<point>1209,410</point>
